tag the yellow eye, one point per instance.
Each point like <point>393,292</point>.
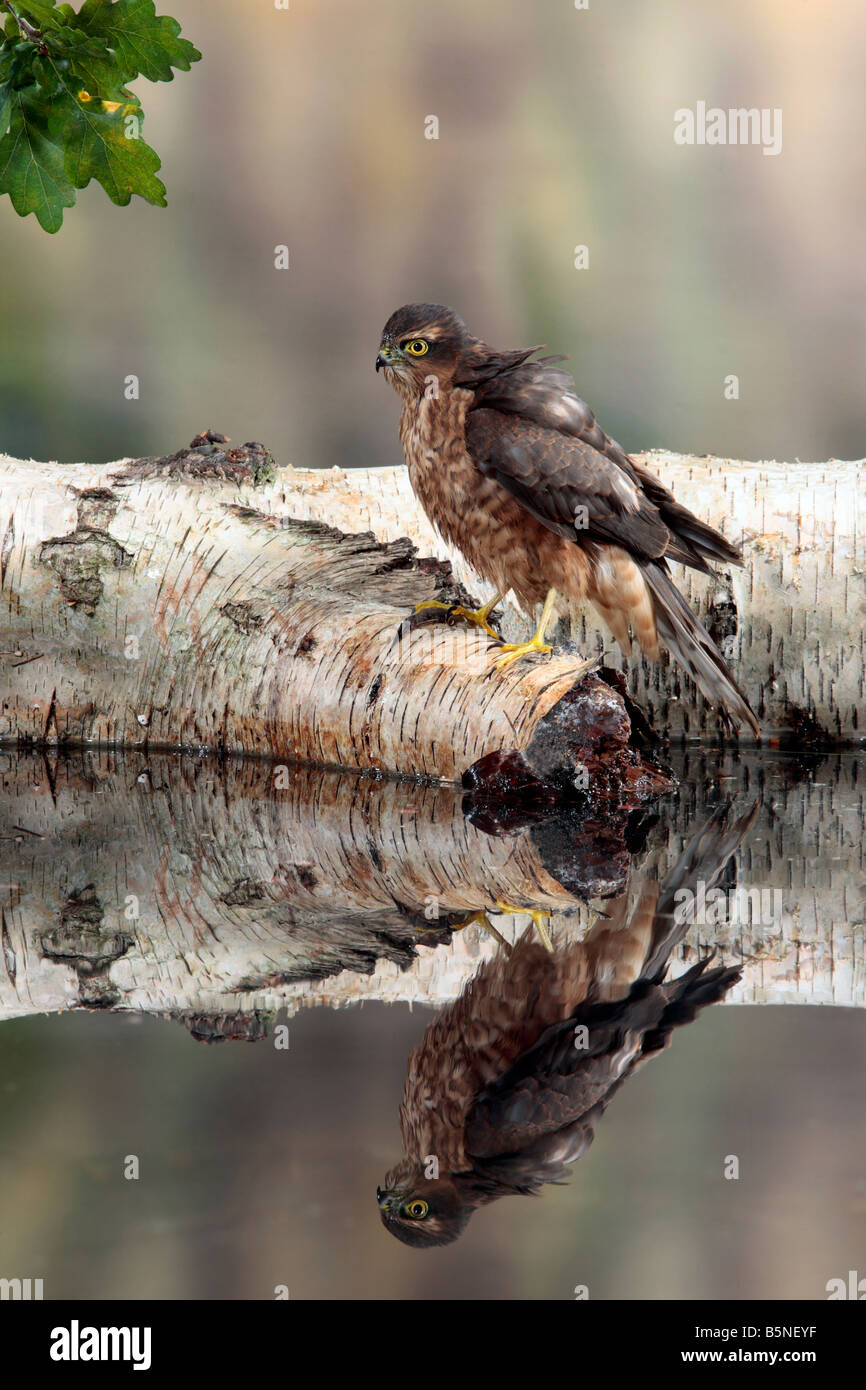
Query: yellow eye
<point>417,347</point>
<point>417,1209</point>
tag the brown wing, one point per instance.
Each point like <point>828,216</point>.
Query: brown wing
<point>556,1088</point>
<point>541,394</point>
<point>566,484</point>
<point>543,445</point>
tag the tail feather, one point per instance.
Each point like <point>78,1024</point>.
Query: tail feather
<point>703,860</point>
<point>687,995</point>
<point>693,647</point>
<point>693,542</point>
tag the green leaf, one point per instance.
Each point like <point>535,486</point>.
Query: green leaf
<point>145,43</point>
<point>66,113</point>
<point>99,146</point>
<point>41,13</point>
<point>20,69</point>
<point>31,163</point>
<point>89,59</point>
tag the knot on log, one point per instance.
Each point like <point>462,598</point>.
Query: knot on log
<point>83,942</point>
<point>205,458</point>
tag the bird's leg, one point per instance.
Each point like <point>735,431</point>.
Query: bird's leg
<point>515,650</point>
<point>480,919</point>
<point>539,918</point>
<point>478,617</point>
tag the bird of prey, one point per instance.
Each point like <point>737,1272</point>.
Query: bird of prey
<point>512,468</point>
<point>505,1088</point>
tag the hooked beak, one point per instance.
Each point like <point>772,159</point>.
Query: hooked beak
<point>383,1198</point>
<point>385,357</point>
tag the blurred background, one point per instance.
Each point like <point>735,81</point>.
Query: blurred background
<point>306,128</point>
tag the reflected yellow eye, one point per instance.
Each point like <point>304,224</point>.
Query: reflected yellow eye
<point>416,1209</point>
<point>416,347</point>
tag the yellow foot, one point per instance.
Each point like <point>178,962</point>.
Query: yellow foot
<point>539,918</point>
<point>480,919</point>
<point>476,616</point>
<point>515,651</point>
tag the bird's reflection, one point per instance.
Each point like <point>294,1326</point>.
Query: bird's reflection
<point>507,1085</point>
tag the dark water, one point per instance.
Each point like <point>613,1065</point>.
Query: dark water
<point>162,919</point>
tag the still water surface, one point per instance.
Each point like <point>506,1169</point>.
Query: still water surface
<point>168,921</point>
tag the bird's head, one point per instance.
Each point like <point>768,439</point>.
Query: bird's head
<point>427,349</point>
<point>422,1211</point>
<point>421,347</point>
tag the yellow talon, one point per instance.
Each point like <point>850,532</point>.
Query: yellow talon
<point>480,919</point>
<point>478,617</point>
<point>514,651</point>
<point>540,920</point>
<point>477,918</point>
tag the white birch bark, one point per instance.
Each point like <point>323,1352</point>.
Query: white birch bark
<point>176,603</point>
<point>791,622</point>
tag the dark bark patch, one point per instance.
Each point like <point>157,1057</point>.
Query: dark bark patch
<point>587,855</point>
<point>83,942</point>
<point>242,893</point>
<point>78,561</point>
<point>216,1028</point>
<point>447,588</point>
<point>206,458</point>
<point>722,619</point>
<point>243,615</point>
<point>96,508</point>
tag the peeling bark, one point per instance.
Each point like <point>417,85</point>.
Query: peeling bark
<point>186,553</point>
<point>177,602</point>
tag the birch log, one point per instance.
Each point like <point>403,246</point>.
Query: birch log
<point>791,623</point>
<point>177,602</point>
<point>198,889</point>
